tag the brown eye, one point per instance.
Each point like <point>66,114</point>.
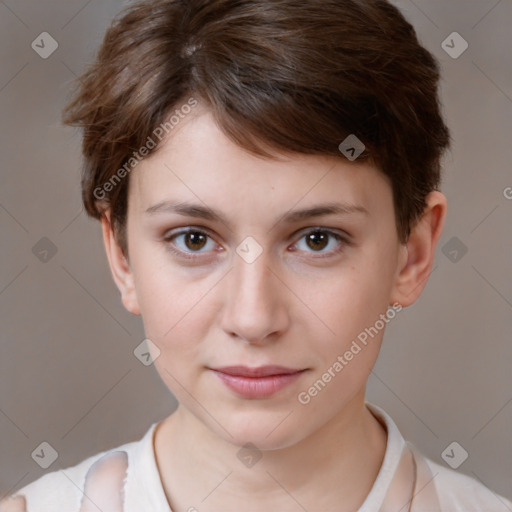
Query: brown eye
<point>195,240</point>
<point>317,240</point>
<point>190,243</point>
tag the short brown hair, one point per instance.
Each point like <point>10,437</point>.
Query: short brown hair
<point>295,76</point>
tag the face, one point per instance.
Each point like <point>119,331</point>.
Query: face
<point>257,284</point>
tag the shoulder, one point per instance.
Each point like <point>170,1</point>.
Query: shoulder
<point>13,504</point>
<point>450,490</point>
<point>458,492</point>
<point>98,479</point>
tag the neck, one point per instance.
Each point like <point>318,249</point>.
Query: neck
<point>337,464</point>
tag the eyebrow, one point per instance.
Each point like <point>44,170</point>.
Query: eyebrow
<point>204,212</point>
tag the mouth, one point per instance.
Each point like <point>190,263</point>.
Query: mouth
<point>260,382</point>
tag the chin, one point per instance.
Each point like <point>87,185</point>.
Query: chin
<point>266,430</point>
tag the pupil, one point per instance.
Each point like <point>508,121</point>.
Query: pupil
<point>317,235</point>
<point>195,239</point>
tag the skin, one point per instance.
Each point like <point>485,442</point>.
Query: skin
<point>289,307</point>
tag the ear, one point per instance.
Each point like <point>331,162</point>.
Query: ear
<point>417,255</point>
<point>119,266</point>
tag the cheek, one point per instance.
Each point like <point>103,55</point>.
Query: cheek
<point>176,321</point>
<point>175,308</point>
<point>351,303</point>
<point>344,359</point>
<point>353,299</point>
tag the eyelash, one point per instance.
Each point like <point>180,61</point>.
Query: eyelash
<point>344,241</point>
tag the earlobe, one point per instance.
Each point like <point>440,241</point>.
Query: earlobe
<point>418,254</point>
<point>119,266</point>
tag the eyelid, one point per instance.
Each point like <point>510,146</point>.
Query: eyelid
<point>202,229</point>
<point>332,231</point>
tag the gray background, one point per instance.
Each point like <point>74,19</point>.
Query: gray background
<point>68,375</point>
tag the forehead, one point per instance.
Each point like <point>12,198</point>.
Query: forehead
<point>198,163</point>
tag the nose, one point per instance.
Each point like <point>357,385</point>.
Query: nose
<point>256,307</point>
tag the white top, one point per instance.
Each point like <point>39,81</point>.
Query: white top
<point>126,479</point>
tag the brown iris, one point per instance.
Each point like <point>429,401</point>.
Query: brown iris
<point>197,240</point>
<point>318,239</point>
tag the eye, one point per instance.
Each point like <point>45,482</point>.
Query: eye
<point>318,239</point>
<point>189,242</point>
<point>193,242</point>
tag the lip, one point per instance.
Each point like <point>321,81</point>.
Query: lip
<point>260,382</point>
